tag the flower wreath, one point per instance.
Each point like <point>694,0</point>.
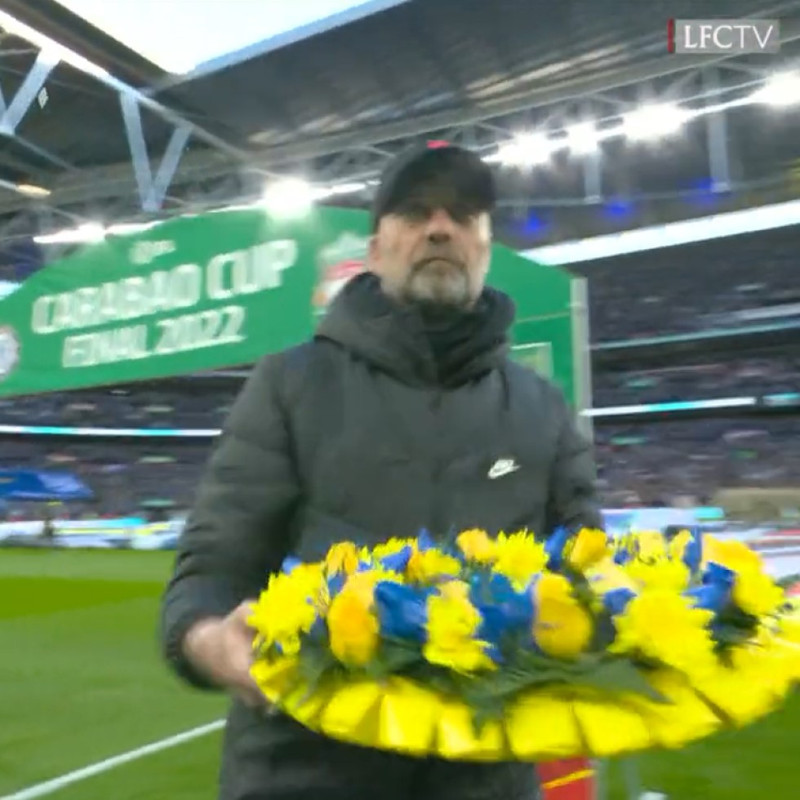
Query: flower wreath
<point>509,648</point>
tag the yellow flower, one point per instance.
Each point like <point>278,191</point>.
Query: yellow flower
<point>660,574</point>
<point>607,576</point>
<point>390,548</point>
<point>476,546</point>
<point>353,626</point>
<point>342,557</point>
<point>624,542</point>
<point>588,547</point>
<point>562,627</point>
<point>677,547</point>
<point>453,623</point>
<point>756,593</point>
<point>789,621</point>
<point>753,590</point>
<point>289,606</point>
<point>730,553</point>
<point>649,545</point>
<point>519,557</point>
<point>664,626</point>
<point>425,566</point>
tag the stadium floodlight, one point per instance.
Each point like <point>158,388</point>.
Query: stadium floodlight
<point>32,190</point>
<point>525,150</point>
<point>289,197</point>
<point>782,89</point>
<point>653,121</point>
<point>582,138</point>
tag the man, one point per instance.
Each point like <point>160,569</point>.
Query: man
<point>404,412</point>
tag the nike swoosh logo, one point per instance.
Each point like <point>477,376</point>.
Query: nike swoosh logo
<point>503,467</point>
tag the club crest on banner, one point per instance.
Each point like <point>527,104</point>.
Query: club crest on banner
<point>9,351</point>
<point>337,263</point>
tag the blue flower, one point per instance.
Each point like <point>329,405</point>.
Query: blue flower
<point>715,593</point>
<point>616,600</point>
<point>402,610</point>
<point>336,583</point>
<point>622,556</point>
<point>554,547</point>
<point>693,553</point>
<point>425,541</point>
<point>504,610</point>
<point>290,563</point>
<point>398,562</point>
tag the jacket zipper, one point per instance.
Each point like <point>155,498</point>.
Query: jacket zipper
<point>437,522</point>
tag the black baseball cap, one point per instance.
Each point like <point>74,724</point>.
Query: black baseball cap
<point>438,173</point>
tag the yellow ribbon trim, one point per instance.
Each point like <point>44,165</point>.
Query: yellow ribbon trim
<point>402,716</point>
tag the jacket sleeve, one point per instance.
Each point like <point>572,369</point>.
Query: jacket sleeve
<point>237,530</point>
<point>572,496</point>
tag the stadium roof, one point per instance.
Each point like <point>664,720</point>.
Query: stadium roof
<point>217,33</point>
<point>86,113</point>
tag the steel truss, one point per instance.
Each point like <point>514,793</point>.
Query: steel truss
<point>217,173</point>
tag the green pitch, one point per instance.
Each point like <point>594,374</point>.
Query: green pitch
<point>81,681</point>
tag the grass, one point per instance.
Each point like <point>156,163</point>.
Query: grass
<point>750,764</point>
<point>81,680</point>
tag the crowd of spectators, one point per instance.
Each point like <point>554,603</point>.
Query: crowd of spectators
<point>692,288</point>
<point>198,406</point>
<point>650,463</point>
<point>684,289</point>
<point>659,462</point>
<point>190,406</point>
<point>746,377</point>
<point>125,477</point>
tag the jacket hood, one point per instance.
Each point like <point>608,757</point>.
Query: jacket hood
<point>416,345</point>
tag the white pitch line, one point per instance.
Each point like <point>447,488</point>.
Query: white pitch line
<point>48,787</point>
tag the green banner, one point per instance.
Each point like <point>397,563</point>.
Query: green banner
<point>220,290</point>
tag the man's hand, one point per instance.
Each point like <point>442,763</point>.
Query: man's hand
<point>222,649</point>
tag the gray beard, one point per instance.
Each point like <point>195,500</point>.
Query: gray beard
<point>439,286</point>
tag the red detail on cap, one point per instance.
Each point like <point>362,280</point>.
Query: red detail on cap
<point>670,35</point>
<point>435,144</point>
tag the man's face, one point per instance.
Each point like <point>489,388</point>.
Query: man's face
<point>425,253</point>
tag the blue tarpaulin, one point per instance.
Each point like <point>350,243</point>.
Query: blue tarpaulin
<point>23,484</point>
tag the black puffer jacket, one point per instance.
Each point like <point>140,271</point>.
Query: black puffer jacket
<point>387,422</point>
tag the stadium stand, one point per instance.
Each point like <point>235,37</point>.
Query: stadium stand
<point>662,463</point>
<point>641,461</point>
<point>126,477</point>
<point>714,379</point>
<point>124,406</point>
<point>176,406</point>
<point>695,287</point>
